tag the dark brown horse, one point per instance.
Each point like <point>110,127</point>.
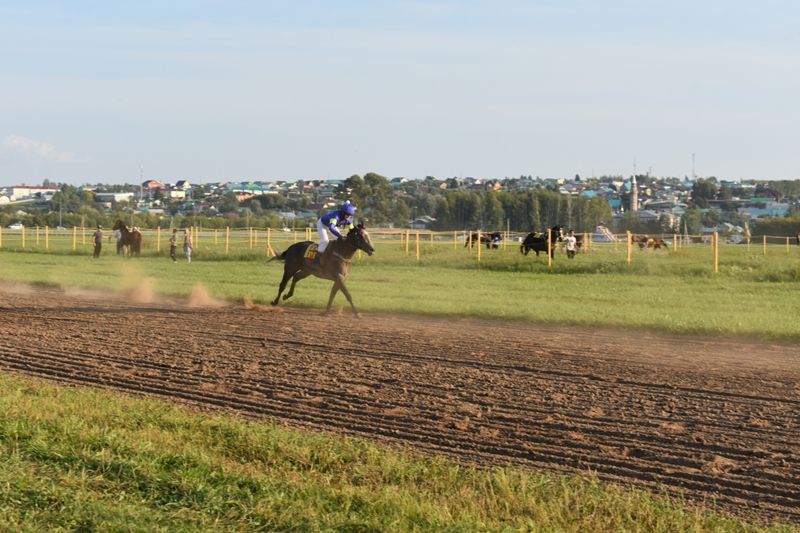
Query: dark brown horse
<point>132,239</point>
<point>491,240</point>
<point>333,264</point>
<point>538,242</point>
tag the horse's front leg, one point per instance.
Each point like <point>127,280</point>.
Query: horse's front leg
<point>297,277</point>
<point>334,290</point>
<point>343,287</point>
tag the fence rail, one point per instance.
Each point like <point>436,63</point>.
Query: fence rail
<point>226,241</point>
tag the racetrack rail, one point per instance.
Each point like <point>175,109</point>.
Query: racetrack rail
<point>712,419</point>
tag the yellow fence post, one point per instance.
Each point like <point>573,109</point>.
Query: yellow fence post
<point>431,247</point>
<point>455,240</point>
<point>408,238</point>
<point>74,238</point>
<point>478,245</point>
<point>630,247</point>
<point>158,239</point>
<point>469,238</point>
<point>23,237</point>
<point>549,247</point>
<point>1,236</point>
<point>227,238</point>
<point>765,244</point>
<point>418,247</point>
<point>716,252</point>
<point>47,237</point>
<point>674,243</point>
<point>270,251</point>
<point>787,246</point>
<point>37,240</point>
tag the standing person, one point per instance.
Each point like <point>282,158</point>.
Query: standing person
<point>118,236</point>
<point>97,241</point>
<point>173,245</point>
<point>571,244</point>
<point>187,244</point>
<point>342,217</point>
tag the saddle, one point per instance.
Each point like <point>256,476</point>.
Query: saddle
<point>313,259</point>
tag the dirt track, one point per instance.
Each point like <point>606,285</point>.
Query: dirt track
<point>712,418</point>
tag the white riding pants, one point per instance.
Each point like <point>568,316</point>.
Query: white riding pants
<point>323,236</point>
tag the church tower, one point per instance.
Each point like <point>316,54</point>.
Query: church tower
<point>634,195</point>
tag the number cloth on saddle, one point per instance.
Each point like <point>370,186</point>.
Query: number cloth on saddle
<point>311,254</point>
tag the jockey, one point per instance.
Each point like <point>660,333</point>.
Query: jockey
<point>342,217</point>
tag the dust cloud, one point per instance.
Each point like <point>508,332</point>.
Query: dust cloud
<point>199,297</point>
<point>247,303</point>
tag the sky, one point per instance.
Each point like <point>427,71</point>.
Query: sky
<point>207,90</point>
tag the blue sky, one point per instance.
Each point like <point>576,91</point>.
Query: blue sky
<point>211,90</point>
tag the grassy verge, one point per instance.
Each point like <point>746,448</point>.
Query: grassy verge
<point>79,459</point>
<point>752,295</point>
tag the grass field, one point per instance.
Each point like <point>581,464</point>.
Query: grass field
<point>754,294</point>
<point>93,461</point>
<point>86,460</point>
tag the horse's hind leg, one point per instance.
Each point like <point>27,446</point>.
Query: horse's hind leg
<point>284,281</point>
<point>297,277</point>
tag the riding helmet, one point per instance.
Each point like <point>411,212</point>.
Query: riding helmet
<point>349,208</point>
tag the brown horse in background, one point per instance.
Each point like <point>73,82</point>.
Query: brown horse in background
<point>132,239</point>
<point>645,241</point>
<point>332,264</point>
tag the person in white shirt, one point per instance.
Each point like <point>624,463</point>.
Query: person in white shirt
<point>571,242</point>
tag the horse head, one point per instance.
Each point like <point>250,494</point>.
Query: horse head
<point>119,225</point>
<point>359,238</point>
<point>557,233</point>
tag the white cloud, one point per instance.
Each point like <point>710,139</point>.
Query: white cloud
<point>35,149</point>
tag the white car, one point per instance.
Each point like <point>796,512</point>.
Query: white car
<point>16,225</point>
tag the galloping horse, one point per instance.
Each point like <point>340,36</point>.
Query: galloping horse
<point>332,264</point>
<point>130,238</point>
<point>538,243</point>
<point>492,240</point>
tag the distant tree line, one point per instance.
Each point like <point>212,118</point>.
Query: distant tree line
<point>381,205</point>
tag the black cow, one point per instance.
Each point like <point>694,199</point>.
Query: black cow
<point>538,243</point>
<point>492,240</point>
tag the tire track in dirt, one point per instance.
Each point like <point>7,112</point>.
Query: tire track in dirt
<point>719,422</point>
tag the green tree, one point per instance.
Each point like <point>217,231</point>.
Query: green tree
<point>692,220</point>
<point>703,190</point>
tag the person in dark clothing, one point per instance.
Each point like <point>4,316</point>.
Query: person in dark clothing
<point>97,241</point>
<point>173,245</point>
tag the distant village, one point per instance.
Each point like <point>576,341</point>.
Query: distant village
<point>642,197</point>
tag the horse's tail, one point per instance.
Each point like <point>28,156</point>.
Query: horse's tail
<point>279,257</point>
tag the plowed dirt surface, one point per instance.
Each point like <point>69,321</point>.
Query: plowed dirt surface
<point>717,420</point>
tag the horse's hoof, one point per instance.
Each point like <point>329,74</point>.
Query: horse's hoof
<point>285,297</point>
<point>358,315</point>
<point>274,302</point>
